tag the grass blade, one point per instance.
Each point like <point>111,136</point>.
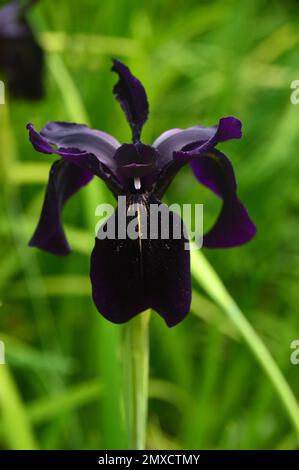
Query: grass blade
<point>210,282</point>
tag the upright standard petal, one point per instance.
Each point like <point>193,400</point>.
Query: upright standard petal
<point>87,148</point>
<point>131,275</point>
<point>199,138</point>
<point>131,95</point>
<point>65,179</point>
<point>233,227</point>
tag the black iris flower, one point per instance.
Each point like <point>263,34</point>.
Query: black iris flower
<point>21,57</point>
<point>129,276</point>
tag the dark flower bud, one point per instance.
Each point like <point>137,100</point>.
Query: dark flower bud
<point>21,57</point>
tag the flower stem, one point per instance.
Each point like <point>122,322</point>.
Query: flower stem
<point>136,370</point>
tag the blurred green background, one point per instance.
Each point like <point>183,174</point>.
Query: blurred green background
<point>199,61</point>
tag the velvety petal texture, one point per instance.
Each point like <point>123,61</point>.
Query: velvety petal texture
<point>21,57</point>
<point>233,227</point>
<point>136,160</point>
<point>130,276</point>
<point>131,95</point>
<point>65,179</point>
<point>170,143</point>
<point>89,149</point>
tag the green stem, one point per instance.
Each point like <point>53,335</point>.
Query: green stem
<point>136,370</point>
<point>209,280</point>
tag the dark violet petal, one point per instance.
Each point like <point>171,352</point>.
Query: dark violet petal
<point>87,148</point>
<point>176,147</point>
<point>130,276</point>
<point>228,128</point>
<point>65,179</point>
<point>136,159</point>
<point>165,177</point>
<point>81,137</point>
<point>175,140</point>
<point>233,227</point>
<point>21,57</point>
<point>131,95</point>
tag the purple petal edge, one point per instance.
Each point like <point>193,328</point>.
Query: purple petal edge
<point>233,226</point>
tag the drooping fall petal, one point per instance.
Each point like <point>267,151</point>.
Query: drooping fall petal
<point>129,276</point>
<point>233,226</point>
<point>65,179</point>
